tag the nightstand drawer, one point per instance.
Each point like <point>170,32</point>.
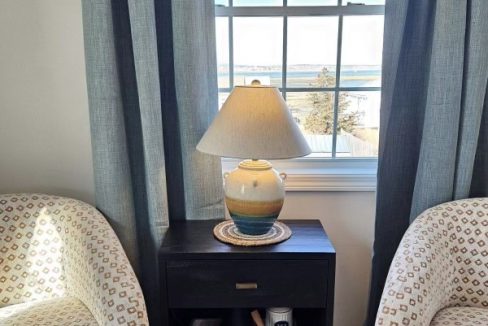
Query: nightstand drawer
<point>247,283</point>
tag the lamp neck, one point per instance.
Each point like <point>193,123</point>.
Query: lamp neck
<point>256,165</point>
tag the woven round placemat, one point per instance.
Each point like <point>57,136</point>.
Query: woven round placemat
<point>227,232</point>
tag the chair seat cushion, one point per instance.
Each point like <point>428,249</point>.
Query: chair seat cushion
<point>461,316</point>
<point>53,312</point>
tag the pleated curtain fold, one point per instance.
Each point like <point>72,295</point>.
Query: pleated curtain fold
<point>152,88</point>
<point>434,114</point>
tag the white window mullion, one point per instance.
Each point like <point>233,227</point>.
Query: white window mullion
<point>285,53</point>
<point>337,84</point>
<point>231,49</point>
<point>353,10</point>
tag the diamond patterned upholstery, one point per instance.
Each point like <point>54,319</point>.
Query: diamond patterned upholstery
<point>60,260</point>
<point>466,316</point>
<point>49,312</point>
<point>439,275</point>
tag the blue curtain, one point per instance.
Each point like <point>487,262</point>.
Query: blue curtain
<point>152,87</point>
<point>433,134</point>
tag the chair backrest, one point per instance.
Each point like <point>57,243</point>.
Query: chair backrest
<point>441,261</point>
<point>446,246</point>
<point>466,224</point>
<point>31,248</point>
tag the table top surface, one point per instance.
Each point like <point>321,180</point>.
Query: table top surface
<point>195,239</point>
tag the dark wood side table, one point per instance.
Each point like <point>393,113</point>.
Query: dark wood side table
<point>202,277</point>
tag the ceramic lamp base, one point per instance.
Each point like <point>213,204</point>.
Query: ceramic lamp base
<point>253,225</point>
<point>254,195</point>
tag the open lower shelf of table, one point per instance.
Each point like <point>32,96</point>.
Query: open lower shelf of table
<point>242,317</point>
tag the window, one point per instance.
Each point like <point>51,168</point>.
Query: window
<point>324,56</point>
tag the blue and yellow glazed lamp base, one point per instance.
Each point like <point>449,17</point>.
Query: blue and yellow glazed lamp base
<point>254,195</point>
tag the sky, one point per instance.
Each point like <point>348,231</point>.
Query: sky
<point>311,40</point>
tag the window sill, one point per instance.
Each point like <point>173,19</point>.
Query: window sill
<point>323,174</point>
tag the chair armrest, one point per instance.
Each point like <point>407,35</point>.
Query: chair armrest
<point>97,269</point>
<point>420,280</point>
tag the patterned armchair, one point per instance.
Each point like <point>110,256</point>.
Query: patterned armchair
<point>62,264</point>
<point>439,275</point>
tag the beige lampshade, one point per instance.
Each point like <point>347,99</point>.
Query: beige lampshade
<point>254,123</point>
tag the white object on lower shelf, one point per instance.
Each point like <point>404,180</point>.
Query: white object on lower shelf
<point>280,316</point>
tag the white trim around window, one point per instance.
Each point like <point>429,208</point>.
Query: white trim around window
<point>323,174</point>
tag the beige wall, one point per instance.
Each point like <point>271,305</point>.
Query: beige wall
<point>44,126</point>
<point>45,143</point>
<point>348,218</point>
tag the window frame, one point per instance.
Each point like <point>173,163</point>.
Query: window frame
<point>311,173</point>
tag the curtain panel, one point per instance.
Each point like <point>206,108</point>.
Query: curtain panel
<point>433,130</point>
<point>152,88</point>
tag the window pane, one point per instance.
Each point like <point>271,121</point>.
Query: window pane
<point>312,51</point>
<point>222,40</point>
<point>251,3</point>
<point>312,2</point>
<point>362,44</point>
<point>222,3</point>
<point>358,124</point>
<point>365,2</point>
<point>314,113</point>
<point>258,50</point>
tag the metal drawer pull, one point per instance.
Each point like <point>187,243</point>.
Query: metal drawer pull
<point>246,286</point>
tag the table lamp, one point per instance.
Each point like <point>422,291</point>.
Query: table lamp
<point>254,124</point>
